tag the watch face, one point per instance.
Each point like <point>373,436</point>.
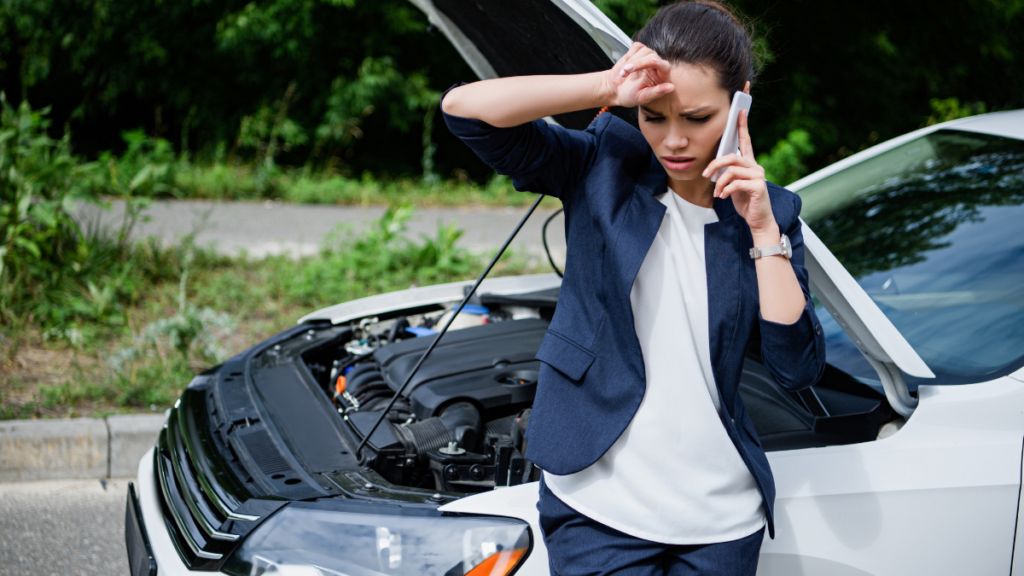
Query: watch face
<point>787,247</point>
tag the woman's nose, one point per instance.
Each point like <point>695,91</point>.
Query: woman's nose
<point>676,138</point>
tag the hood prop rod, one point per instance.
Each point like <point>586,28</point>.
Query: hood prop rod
<point>359,450</point>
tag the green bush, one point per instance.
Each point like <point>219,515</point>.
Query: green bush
<point>785,163</point>
<point>946,109</point>
<point>43,254</point>
<point>380,260</point>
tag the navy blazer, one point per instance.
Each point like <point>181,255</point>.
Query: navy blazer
<point>592,371</point>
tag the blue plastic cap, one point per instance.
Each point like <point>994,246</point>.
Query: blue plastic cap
<point>474,310</point>
<point>420,331</point>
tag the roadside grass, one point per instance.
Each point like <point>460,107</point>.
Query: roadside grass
<point>202,308</point>
<point>221,181</point>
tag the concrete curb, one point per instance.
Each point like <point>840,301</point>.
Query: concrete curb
<point>76,448</point>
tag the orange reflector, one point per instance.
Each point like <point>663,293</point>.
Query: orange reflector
<point>498,564</point>
<point>339,388</point>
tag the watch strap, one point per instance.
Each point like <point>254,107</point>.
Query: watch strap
<point>773,250</point>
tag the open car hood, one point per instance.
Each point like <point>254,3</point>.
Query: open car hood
<point>525,37</point>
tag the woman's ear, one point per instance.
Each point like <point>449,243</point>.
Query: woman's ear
<point>746,87</point>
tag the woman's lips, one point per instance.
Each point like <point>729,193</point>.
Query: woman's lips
<point>678,163</point>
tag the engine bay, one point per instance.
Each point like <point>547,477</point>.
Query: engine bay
<point>459,425</point>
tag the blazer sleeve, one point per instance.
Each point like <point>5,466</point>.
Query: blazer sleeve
<point>540,157</point>
<point>794,354</point>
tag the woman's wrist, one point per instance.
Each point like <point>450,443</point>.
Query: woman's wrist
<point>605,93</point>
<point>767,235</point>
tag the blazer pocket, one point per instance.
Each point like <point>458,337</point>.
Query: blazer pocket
<point>564,355</point>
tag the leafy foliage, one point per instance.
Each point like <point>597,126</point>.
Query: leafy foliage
<point>946,109</point>
<point>56,271</point>
<point>201,69</point>
<point>380,260</point>
<point>784,164</point>
<point>855,73</point>
<point>360,77</point>
<point>41,247</point>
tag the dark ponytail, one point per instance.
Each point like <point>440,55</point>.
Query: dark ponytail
<point>703,33</point>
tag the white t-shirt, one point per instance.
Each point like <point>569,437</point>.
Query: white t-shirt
<point>673,476</point>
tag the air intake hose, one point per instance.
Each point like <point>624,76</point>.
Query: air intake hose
<point>459,423</point>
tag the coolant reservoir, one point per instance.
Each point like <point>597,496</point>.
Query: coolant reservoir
<point>471,315</point>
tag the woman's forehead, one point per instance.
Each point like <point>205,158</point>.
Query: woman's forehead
<point>696,87</point>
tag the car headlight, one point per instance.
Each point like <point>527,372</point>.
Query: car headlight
<point>306,540</point>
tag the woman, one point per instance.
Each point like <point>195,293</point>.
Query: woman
<point>652,465</point>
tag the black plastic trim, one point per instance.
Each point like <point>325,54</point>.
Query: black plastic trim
<point>141,562</point>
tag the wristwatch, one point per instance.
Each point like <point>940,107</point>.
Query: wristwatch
<point>783,247</point>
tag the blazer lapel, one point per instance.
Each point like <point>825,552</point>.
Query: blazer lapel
<point>723,242</point>
<point>641,222</point>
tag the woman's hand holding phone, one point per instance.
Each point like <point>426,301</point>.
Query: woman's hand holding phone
<point>639,77</point>
<point>744,182</point>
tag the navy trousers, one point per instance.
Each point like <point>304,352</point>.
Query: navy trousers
<point>579,546</point>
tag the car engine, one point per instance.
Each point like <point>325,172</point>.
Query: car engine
<point>459,425</point>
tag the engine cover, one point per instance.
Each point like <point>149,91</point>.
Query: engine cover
<point>492,366</point>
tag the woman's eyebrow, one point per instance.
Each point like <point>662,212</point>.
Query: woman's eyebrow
<point>683,113</point>
<point>694,111</point>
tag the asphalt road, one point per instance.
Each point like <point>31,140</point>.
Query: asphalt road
<point>274,227</point>
<point>63,528</point>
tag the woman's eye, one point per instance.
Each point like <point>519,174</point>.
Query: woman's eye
<point>653,118</point>
<point>699,120</point>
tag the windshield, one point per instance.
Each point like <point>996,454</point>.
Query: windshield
<point>933,230</point>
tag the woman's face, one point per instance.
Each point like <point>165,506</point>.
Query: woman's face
<point>683,127</point>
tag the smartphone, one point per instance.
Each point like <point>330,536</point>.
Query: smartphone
<point>730,143</point>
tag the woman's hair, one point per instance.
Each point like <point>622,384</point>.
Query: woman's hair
<point>703,33</point>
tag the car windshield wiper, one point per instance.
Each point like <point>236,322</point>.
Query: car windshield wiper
<point>426,353</point>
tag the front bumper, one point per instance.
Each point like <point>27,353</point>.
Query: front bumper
<point>517,502</point>
<point>168,561</point>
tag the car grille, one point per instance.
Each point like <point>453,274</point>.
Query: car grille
<point>200,495</point>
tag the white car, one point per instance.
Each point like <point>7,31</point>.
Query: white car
<point>905,459</point>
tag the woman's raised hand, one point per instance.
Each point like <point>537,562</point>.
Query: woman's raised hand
<point>744,182</point>
<point>639,77</point>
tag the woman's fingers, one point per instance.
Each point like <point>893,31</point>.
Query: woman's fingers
<point>737,186</point>
<point>725,161</point>
<point>645,95</point>
<point>644,59</point>
<point>636,47</point>
<point>736,174</point>
<point>620,66</point>
<point>652,62</point>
